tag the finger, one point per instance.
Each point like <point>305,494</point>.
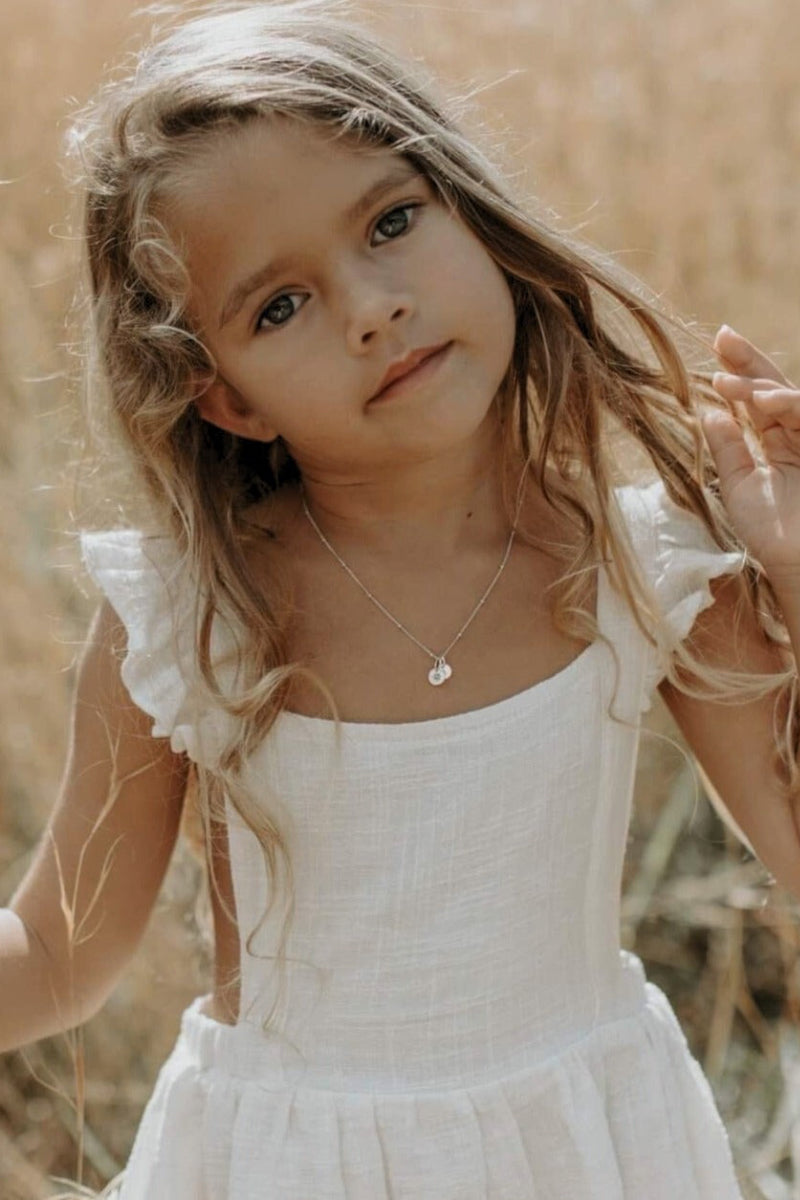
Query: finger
<point>778,401</point>
<point>744,357</point>
<point>777,408</point>
<point>741,387</point>
<point>725,438</point>
<point>765,402</point>
<point>777,425</point>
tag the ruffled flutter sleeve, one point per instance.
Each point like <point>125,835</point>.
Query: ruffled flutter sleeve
<point>680,560</point>
<point>143,580</point>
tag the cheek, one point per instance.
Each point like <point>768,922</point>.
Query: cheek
<point>477,284</point>
<point>491,307</point>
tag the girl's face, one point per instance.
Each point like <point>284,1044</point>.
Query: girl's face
<point>306,288</point>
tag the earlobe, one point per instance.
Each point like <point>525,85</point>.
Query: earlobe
<point>221,405</point>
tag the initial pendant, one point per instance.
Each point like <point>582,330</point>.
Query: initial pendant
<point>440,672</point>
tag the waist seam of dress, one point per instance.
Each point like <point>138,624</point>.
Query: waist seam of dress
<point>215,1059</point>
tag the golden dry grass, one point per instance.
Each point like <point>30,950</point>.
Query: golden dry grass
<point>669,132</point>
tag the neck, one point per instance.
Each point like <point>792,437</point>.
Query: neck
<point>427,515</point>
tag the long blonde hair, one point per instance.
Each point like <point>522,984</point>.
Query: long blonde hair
<point>594,364</point>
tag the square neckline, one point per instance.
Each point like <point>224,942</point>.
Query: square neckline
<point>496,711</point>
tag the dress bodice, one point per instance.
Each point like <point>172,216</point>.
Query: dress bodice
<point>459,876</point>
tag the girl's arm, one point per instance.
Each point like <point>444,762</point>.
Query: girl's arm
<point>761,492</point>
<point>735,744</point>
<point>76,918</point>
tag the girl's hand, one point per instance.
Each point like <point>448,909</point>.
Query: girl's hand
<point>761,494</point>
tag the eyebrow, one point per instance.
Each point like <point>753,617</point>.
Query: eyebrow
<point>239,293</point>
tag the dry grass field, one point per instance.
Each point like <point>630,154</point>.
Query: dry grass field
<point>667,131</point>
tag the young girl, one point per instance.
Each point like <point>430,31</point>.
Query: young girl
<point>434,508</point>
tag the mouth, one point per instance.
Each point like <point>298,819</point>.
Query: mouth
<point>418,374</point>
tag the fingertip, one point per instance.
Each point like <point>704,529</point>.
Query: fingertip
<point>714,418</point>
<point>733,346</point>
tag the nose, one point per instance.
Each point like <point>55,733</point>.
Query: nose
<point>373,306</point>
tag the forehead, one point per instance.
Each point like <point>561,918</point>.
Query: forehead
<point>273,158</point>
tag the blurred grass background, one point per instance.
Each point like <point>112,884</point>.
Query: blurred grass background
<point>669,132</point>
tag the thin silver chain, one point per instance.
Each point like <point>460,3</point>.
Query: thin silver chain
<point>439,659</point>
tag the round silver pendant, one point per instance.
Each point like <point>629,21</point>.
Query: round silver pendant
<point>439,673</point>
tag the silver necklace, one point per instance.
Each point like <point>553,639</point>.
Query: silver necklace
<point>441,670</point>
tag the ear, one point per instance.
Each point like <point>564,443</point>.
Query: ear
<point>221,405</point>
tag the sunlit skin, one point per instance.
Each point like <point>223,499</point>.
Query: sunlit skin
<point>305,353</point>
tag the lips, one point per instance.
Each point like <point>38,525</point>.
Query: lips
<point>399,369</point>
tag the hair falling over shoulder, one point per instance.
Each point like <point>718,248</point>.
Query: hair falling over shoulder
<point>595,380</point>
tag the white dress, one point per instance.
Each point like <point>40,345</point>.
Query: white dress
<point>460,1022</point>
